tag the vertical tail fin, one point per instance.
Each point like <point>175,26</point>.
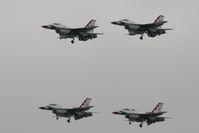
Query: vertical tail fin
<point>159,19</point>
<point>86,103</point>
<point>158,108</point>
<point>91,23</point>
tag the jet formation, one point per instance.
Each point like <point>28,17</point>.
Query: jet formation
<point>148,117</point>
<point>87,32</point>
<point>82,112</point>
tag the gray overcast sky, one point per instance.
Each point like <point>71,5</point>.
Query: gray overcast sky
<point>115,70</point>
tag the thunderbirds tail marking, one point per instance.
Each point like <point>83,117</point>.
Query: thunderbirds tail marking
<point>158,108</point>
<point>86,103</point>
<point>91,23</point>
<point>160,18</point>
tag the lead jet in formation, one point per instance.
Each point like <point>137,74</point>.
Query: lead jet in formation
<point>148,117</point>
<point>77,112</point>
<point>83,34</point>
<point>151,29</point>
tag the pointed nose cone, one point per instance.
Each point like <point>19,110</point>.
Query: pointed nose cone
<point>42,108</point>
<point>115,112</point>
<point>114,22</point>
<point>44,26</point>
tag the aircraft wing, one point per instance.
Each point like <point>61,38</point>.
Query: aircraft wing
<point>144,26</point>
<point>149,25</point>
<point>140,115</point>
<point>168,29</point>
<point>141,27</point>
<point>78,109</point>
<point>146,115</point>
<point>154,25</point>
<point>83,29</point>
<point>167,117</point>
<point>77,30</point>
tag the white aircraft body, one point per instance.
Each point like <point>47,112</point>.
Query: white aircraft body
<point>151,29</point>
<point>77,112</point>
<point>83,34</point>
<point>148,117</point>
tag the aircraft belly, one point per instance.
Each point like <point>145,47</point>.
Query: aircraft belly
<point>64,31</point>
<point>60,112</point>
<point>133,27</point>
<point>134,116</point>
<point>134,32</point>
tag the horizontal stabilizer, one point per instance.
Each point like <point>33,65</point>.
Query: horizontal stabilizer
<point>168,29</point>
<point>168,117</point>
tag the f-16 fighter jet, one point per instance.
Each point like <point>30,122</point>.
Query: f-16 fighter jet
<point>148,117</point>
<point>77,112</point>
<point>151,29</point>
<point>83,34</point>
